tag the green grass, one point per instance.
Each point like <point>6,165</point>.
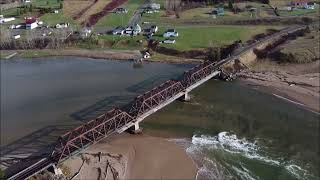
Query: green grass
<point>34,54</point>
<point>193,37</point>
<point>299,12</point>
<point>114,20</point>
<point>46,3</point>
<point>123,42</point>
<point>51,19</point>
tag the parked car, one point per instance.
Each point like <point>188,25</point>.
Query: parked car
<point>171,33</point>
<point>118,31</point>
<point>154,28</point>
<point>121,10</point>
<point>168,41</point>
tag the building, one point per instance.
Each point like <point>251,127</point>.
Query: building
<point>31,23</point>
<point>4,20</point>
<point>62,25</point>
<point>218,11</point>
<point>300,3</point>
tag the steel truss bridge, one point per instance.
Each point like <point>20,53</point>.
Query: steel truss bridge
<point>118,120</point>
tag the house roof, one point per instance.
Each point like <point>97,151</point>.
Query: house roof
<point>30,20</point>
<point>300,1</point>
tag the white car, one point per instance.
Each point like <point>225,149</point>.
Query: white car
<point>168,41</point>
<point>118,31</point>
<point>171,33</point>
<point>154,28</point>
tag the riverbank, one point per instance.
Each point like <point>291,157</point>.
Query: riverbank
<point>133,157</point>
<point>295,83</point>
<point>96,54</point>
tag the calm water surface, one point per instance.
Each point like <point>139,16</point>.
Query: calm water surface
<point>45,95</point>
<point>231,131</point>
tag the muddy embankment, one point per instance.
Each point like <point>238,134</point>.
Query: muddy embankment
<point>262,50</point>
<point>292,82</point>
<point>211,53</point>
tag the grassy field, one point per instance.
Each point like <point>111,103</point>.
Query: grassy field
<point>302,50</point>
<point>51,19</point>
<point>124,42</point>
<point>195,37</point>
<point>114,20</point>
<point>299,12</point>
<point>46,3</point>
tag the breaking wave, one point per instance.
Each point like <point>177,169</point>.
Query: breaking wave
<point>215,156</point>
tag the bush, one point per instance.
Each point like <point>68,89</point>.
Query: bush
<point>1,174</point>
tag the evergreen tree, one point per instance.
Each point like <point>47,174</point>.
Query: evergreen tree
<point>61,5</point>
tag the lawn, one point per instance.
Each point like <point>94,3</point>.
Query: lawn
<point>114,20</point>
<point>51,19</point>
<point>124,42</point>
<point>193,37</point>
<point>46,3</point>
<point>299,12</point>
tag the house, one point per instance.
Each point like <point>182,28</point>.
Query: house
<point>86,32</point>
<point>56,11</point>
<point>218,11</point>
<point>31,23</point>
<point>154,6</point>
<point>62,25</point>
<point>121,10</point>
<point>17,36</point>
<point>4,20</point>
<point>299,3</point>
<point>310,5</point>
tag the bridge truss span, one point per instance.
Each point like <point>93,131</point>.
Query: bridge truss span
<point>89,133</point>
<point>155,97</point>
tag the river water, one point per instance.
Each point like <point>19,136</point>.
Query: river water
<point>231,131</point>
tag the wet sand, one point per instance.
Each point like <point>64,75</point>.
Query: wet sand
<point>295,83</point>
<point>133,157</point>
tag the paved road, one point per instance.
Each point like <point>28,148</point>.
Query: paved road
<point>135,19</point>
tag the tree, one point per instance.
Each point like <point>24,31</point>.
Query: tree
<point>1,174</point>
<point>61,5</point>
<point>30,8</point>
<point>18,12</point>
<point>230,5</point>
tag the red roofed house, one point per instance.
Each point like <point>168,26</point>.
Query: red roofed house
<point>31,23</point>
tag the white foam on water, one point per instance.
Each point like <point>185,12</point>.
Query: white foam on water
<point>232,144</point>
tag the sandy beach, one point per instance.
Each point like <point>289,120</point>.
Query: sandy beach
<point>129,156</point>
<point>295,83</point>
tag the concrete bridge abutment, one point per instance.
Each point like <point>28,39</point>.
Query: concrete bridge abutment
<point>135,129</point>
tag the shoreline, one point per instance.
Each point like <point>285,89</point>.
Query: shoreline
<point>107,54</point>
<point>298,84</point>
<point>133,157</point>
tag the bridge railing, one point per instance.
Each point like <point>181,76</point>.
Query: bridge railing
<point>197,73</point>
<point>89,133</point>
<point>155,97</point>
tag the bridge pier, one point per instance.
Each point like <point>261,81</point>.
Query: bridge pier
<point>135,129</point>
<point>186,97</point>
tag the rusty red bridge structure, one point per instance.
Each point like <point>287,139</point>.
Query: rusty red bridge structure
<point>119,120</point>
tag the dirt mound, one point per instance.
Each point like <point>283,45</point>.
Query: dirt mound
<point>94,18</point>
<point>77,16</point>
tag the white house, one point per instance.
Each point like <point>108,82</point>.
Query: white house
<point>62,25</point>
<point>4,20</point>
<point>154,6</point>
<point>16,36</point>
